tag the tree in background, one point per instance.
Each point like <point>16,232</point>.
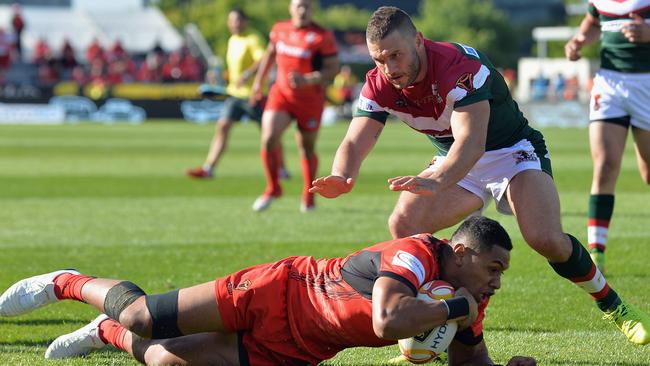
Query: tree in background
<point>475,23</point>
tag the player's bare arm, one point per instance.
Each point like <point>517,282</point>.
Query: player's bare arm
<point>637,31</point>
<point>357,143</point>
<point>323,76</point>
<point>397,314</point>
<point>469,125</point>
<point>263,69</point>
<point>589,32</point>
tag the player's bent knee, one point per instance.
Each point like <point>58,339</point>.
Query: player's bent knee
<point>400,225</point>
<point>121,297</point>
<point>551,246</point>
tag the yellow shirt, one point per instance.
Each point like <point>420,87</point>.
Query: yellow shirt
<point>243,51</point>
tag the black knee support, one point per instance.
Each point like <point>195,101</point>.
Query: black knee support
<point>164,315</point>
<point>119,297</point>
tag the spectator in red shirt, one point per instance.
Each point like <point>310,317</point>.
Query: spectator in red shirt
<point>68,59</point>
<point>41,51</point>
<point>95,52</point>
<point>18,24</point>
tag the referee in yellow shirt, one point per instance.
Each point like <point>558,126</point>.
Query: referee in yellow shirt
<point>245,49</point>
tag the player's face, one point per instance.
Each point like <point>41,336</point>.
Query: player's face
<point>236,23</point>
<point>481,275</point>
<point>397,58</point>
<point>301,12</point>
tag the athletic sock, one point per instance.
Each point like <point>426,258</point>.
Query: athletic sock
<point>207,168</point>
<point>309,168</point>
<point>601,207</point>
<point>67,286</point>
<point>111,332</point>
<point>270,162</point>
<point>582,271</point>
<point>279,155</point>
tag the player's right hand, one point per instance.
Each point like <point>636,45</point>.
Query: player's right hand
<point>572,48</point>
<point>331,186</point>
<point>473,308</point>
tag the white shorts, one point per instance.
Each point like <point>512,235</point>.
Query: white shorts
<point>617,96</point>
<point>493,172</point>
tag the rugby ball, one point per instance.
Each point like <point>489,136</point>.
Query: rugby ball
<point>424,347</point>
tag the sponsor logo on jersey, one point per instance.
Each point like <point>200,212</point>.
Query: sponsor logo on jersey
<point>368,105</point>
<point>596,102</point>
<point>410,262</point>
<point>522,156</point>
<point>400,103</point>
<point>311,123</point>
<point>465,82</point>
<point>293,51</point>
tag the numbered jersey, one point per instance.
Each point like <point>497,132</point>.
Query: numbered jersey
<point>457,76</point>
<point>617,53</point>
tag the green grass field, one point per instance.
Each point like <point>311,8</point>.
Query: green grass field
<point>113,201</point>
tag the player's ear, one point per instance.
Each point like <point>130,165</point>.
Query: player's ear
<point>419,40</point>
<point>459,253</point>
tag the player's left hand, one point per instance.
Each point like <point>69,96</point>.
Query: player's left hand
<point>296,80</point>
<point>522,361</point>
<point>413,184</point>
<point>636,31</point>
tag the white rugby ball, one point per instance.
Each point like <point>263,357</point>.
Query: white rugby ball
<point>425,347</point>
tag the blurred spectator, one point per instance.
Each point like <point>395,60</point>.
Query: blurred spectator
<point>41,51</point>
<point>341,92</point>
<point>539,88</point>
<point>151,69</point>
<point>117,51</point>
<point>18,24</point>
<point>172,70</point>
<point>79,75</point>
<point>95,52</point>
<point>571,89</point>
<point>6,46</point>
<point>191,68</point>
<point>68,58</point>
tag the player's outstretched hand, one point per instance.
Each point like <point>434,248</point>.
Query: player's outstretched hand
<point>473,308</point>
<point>331,186</point>
<point>522,361</point>
<point>413,184</point>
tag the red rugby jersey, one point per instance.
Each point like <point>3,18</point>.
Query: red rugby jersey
<point>300,50</point>
<point>329,300</point>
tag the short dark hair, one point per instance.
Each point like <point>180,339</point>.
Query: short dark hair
<point>240,12</point>
<point>385,20</point>
<point>482,234</point>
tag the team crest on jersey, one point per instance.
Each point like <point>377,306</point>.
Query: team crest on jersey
<point>310,37</point>
<point>400,103</point>
<point>522,156</point>
<point>465,82</point>
<point>410,262</point>
<point>243,286</point>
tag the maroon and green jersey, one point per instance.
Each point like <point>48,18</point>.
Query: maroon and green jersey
<point>617,53</point>
<point>457,76</point>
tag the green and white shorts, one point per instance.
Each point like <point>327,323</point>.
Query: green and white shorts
<point>621,98</point>
<point>490,176</point>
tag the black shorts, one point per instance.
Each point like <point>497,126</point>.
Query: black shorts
<point>236,108</point>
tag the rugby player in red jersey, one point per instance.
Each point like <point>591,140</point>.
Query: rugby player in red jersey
<point>306,58</point>
<point>487,151</point>
<point>296,311</point>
